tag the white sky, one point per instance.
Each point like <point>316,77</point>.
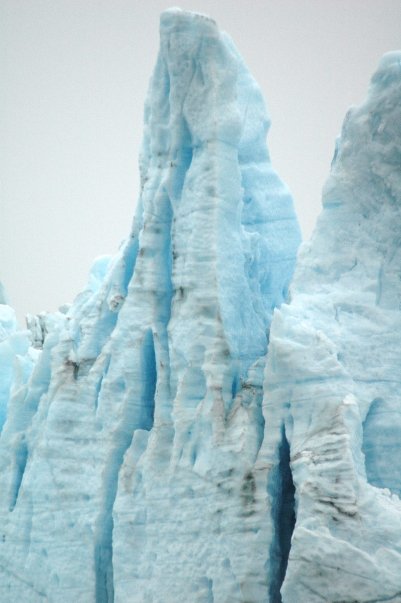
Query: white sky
<point>74,76</point>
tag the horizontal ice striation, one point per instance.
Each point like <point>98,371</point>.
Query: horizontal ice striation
<point>333,377</point>
<point>126,465</point>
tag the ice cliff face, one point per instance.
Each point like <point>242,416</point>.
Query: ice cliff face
<point>126,462</point>
<point>180,438</point>
<point>332,382</point>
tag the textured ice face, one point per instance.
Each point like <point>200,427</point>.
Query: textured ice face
<point>127,465</point>
<point>332,378</point>
<point>155,455</point>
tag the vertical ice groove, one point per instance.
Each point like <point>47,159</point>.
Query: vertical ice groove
<point>149,379</point>
<point>139,414</point>
<point>282,492</point>
<point>21,458</point>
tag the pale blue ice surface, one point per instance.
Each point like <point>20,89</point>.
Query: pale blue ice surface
<point>143,414</point>
<point>333,374</point>
<point>152,456</point>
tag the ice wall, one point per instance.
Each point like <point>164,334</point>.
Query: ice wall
<point>126,463</point>
<point>332,381</point>
<point>182,437</point>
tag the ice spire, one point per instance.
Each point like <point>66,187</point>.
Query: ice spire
<point>135,439</point>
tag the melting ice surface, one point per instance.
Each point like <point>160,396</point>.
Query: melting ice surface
<point>173,443</point>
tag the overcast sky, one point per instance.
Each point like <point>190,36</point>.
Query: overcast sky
<point>74,76</point>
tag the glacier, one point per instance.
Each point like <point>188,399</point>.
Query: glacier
<point>193,428</point>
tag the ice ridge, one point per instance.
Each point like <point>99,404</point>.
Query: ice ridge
<point>127,459</point>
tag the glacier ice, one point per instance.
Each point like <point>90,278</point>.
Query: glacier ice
<point>185,435</point>
<point>126,461</point>
<point>332,379</point>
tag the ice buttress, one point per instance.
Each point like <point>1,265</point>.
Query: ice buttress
<point>127,460</point>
